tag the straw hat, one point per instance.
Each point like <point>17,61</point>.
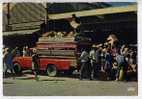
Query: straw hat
<point>34,50</point>
<point>94,46</point>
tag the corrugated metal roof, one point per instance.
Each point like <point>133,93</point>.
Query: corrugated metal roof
<point>23,32</point>
<point>22,13</point>
<point>28,12</point>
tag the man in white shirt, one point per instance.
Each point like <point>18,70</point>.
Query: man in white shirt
<point>84,58</point>
<point>92,56</point>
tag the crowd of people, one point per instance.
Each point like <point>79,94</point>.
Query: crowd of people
<point>115,61</point>
<point>9,54</point>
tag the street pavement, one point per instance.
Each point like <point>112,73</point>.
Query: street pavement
<point>66,86</point>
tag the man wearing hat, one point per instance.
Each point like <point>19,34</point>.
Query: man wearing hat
<point>92,55</point>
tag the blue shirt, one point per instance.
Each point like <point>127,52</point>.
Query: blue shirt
<point>120,59</point>
<point>9,59</point>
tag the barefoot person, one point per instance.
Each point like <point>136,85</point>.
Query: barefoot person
<point>35,62</point>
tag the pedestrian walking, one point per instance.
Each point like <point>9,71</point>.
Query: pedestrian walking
<point>114,70</point>
<point>5,52</point>
<point>84,58</point>
<point>121,65</point>
<point>92,55</point>
<point>9,61</point>
<point>35,64</point>
<point>100,58</point>
<point>108,64</point>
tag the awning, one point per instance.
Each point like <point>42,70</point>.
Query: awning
<point>96,12</point>
<point>23,32</point>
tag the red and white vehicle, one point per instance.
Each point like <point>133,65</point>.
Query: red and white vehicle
<point>54,56</point>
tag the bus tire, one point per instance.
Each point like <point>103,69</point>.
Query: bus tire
<point>17,68</point>
<point>69,72</point>
<point>51,70</point>
<point>121,74</point>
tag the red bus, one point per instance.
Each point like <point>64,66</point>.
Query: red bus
<point>55,55</point>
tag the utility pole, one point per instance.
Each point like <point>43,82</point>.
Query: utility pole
<point>46,16</point>
<point>8,16</point>
<point>46,12</point>
<point>46,19</point>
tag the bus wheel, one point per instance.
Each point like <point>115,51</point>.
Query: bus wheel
<point>51,70</point>
<point>17,68</point>
<point>68,72</point>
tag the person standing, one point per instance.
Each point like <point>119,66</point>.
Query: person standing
<point>121,65</point>
<point>93,61</point>
<point>25,51</point>
<point>18,51</point>
<point>108,63</point>
<point>99,58</point>
<point>35,64</point>
<point>9,61</point>
<point>114,70</point>
<point>75,23</point>
<point>102,59</point>
<point>84,58</point>
<point>5,52</point>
